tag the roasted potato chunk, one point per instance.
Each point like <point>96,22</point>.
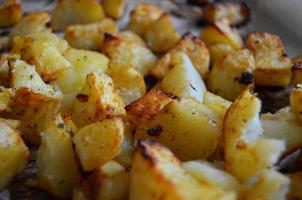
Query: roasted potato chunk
<point>30,24</point>
<point>271,185</point>
<point>99,142</point>
<point>182,79</point>
<point>156,174</point>
<point>219,50</point>
<point>107,182</point>
<point>295,186</point>
<point>282,125</point>
<point>5,99</point>
<point>221,32</point>
<point>10,12</point>
<point>13,154</point>
<point>128,82</point>
<point>41,51</point>
<point>70,12</point>
<point>231,74</point>
<point>145,108</point>
<point>138,56</point>
<point>235,13</point>
<point>28,87</point>
<point>114,8</point>
<point>297,70</point>
<point>58,172</point>
<point>142,16</point>
<point>273,67</point>
<point>132,37</point>
<point>206,172</point>
<point>246,152</point>
<point>161,34</point>
<point>189,128</point>
<point>193,47</point>
<point>296,102</point>
<point>97,101</point>
<point>89,36</point>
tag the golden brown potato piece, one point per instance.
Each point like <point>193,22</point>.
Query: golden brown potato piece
<point>193,47</point>
<point>142,16</point>
<point>273,67</point>
<point>297,70</point>
<point>5,99</point>
<point>32,23</point>
<point>70,12</point>
<point>296,102</point>
<point>99,142</point>
<point>231,74</point>
<point>13,154</point>
<point>221,32</point>
<point>182,79</point>
<point>282,125</point>
<point>246,152</point>
<point>107,182</point>
<point>271,185</point>
<point>97,101</point>
<point>28,87</point>
<point>235,13</point>
<point>189,128</point>
<point>295,186</point>
<point>156,174</point>
<point>128,82</point>
<point>145,108</point>
<point>41,50</point>
<point>219,50</point>
<point>10,12</point>
<point>58,172</point>
<point>72,80</point>
<point>138,56</point>
<point>161,34</point>
<point>89,36</point>
<point>114,8</point>
<point>132,37</point>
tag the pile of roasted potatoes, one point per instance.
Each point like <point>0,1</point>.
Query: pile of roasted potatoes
<point>145,113</point>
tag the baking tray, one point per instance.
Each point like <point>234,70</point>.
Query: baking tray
<point>274,16</point>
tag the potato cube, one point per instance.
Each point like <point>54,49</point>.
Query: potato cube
<point>128,82</point>
<point>296,102</point>
<point>193,47</point>
<point>273,67</point>
<point>44,54</point>
<point>182,79</point>
<point>89,36</point>
<point>146,108</point>
<point>70,12</point>
<point>114,8</point>
<point>132,37</point>
<point>231,74</point>
<point>187,127</point>
<point>297,70</point>
<point>271,185</point>
<point>161,35</point>
<point>32,23</point>
<point>219,50</point>
<point>13,154</point>
<point>142,16</point>
<point>138,56</point>
<point>156,174</point>
<point>99,142</point>
<point>97,101</point>
<point>28,86</point>
<point>10,12</point>
<point>246,152</point>
<point>221,32</point>
<point>58,172</point>
<point>235,13</point>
